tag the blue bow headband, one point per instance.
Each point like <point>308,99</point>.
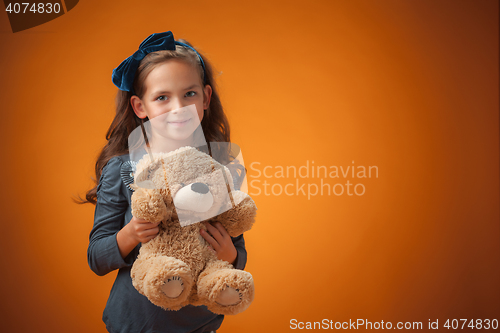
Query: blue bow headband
<point>123,75</point>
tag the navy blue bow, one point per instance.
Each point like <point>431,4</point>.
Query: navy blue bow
<point>123,75</point>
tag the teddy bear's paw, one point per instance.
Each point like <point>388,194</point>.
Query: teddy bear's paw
<point>168,282</point>
<point>173,287</point>
<point>226,291</point>
<point>229,296</point>
<point>148,204</point>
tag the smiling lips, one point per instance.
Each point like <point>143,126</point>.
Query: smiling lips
<point>179,123</point>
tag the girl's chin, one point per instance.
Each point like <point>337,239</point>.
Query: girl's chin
<point>175,136</point>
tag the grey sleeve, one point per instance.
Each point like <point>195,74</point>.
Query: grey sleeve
<point>241,258</point>
<point>103,254</point>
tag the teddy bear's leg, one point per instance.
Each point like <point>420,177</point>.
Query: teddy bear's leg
<point>225,290</point>
<point>165,281</point>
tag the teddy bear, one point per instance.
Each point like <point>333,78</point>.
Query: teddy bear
<point>180,189</point>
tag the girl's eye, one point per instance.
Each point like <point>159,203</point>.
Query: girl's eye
<point>161,98</point>
<point>194,93</point>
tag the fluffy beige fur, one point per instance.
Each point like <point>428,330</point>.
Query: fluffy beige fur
<point>180,253</point>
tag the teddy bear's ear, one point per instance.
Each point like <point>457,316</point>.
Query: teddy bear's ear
<point>229,155</point>
<point>146,184</point>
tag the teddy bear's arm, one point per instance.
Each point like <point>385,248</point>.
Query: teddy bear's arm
<point>148,204</point>
<point>240,218</point>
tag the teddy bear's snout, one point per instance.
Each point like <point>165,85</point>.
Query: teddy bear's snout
<point>195,197</point>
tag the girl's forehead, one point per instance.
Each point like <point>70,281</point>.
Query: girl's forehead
<point>173,75</point>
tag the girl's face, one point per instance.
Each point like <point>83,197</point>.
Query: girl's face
<point>172,85</point>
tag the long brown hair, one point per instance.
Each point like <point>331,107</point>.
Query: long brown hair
<point>214,123</point>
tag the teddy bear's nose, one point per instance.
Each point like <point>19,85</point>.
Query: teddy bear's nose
<point>199,188</point>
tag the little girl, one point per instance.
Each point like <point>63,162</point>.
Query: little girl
<point>162,76</point>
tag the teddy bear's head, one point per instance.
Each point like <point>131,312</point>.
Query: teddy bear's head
<point>190,180</point>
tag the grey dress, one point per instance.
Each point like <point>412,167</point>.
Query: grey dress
<point>126,309</point>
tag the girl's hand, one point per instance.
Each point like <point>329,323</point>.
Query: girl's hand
<point>141,230</point>
<point>135,232</point>
<point>220,242</point>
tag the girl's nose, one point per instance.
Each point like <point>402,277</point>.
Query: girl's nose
<point>177,107</point>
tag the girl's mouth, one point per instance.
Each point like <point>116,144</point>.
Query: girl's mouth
<point>179,123</point>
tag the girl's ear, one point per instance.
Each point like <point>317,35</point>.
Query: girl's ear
<point>207,94</point>
<point>138,107</point>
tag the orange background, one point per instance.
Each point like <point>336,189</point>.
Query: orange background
<point>408,86</point>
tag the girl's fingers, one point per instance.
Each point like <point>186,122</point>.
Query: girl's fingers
<point>150,232</point>
<point>209,239</point>
<point>221,229</point>
<point>146,237</point>
<point>147,226</point>
<point>143,221</point>
<point>214,232</point>
<point>152,226</point>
